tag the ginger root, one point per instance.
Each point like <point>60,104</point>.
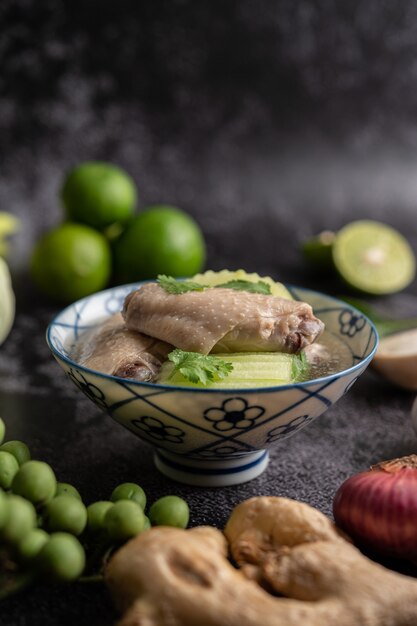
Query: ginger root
<point>173,577</point>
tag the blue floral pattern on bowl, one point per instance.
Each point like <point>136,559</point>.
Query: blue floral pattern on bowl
<point>351,322</point>
<point>158,431</point>
<point>233,413</point>
<point>209,436</point>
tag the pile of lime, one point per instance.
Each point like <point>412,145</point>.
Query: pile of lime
<point>368,255</point>
<point>103,238</point>
<point>47,532</point>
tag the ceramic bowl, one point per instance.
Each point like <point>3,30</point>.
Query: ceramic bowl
<point>212,437</point>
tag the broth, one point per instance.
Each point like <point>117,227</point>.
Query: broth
<point>328,356</point>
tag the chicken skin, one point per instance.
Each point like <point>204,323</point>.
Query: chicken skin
<point>113,349</point>
<point>221,320</point>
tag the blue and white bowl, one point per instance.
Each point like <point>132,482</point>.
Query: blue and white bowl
<point>211,437</point>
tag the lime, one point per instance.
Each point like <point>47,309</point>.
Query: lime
<point>7,301</point>
<point>160,240</point>
<point>71,261</point>
<point>373,257</point>
<point>98,194</point>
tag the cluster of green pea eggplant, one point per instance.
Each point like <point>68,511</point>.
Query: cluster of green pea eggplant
<point>48,533</point>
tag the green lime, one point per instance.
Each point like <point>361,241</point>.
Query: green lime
<point>71,262</point>
<point>160,240</point>
<point>373,257</point>
<point>98,194</point>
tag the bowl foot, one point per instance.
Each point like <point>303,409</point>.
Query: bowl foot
<point>203,473</point>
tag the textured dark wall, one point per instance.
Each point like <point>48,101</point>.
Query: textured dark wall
<point>265,117</point>
<point>267,120</point>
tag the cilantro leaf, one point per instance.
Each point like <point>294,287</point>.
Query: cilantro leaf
<point>247,285</point>
<point>199,368</point>
<point>299,367</point>
<point>171,285</point>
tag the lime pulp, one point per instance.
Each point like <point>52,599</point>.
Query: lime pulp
<point>373,257</point>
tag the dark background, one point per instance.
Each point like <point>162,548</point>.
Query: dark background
<point>267,121</point>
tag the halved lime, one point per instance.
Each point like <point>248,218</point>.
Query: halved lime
<point>373,257</point>
<point>7,301</point>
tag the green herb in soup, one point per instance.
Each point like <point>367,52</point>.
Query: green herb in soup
<point>237,370</point>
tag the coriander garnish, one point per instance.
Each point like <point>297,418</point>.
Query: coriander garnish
<point>199,368</point>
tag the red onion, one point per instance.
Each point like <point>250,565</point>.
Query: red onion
<point>378,508</point>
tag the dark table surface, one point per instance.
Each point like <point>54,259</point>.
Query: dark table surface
<point>267,125</point>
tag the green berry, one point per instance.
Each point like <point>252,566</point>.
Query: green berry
<point>96,512</point>
<point>2,430</point>
<point>147,523</point>
<point>8,469</point>
<point>31,545</point>
<point>20,519</point>
<point>35,481</point>
<point>124,520</point>
<point>129,491</point>
<point>19,450</point>
<point>67,514</point>
<point>65,489</point>
<point>62,558</point>
<point>3,508</point>
<point>169,511</point>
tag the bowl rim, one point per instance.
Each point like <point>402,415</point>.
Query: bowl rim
<point>323,380</point>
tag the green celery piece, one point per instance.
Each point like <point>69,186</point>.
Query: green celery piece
<point>249,370</point>
<point>246,285</point>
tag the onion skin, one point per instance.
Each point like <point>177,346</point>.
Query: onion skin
<point>378,508</point>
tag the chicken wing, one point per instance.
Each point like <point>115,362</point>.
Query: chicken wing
<point>222,320</point>
<point>113,349</point>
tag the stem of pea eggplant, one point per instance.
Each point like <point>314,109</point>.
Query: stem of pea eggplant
<point>385,326</point>
<point>19,583</point>
<point>389,327</point>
